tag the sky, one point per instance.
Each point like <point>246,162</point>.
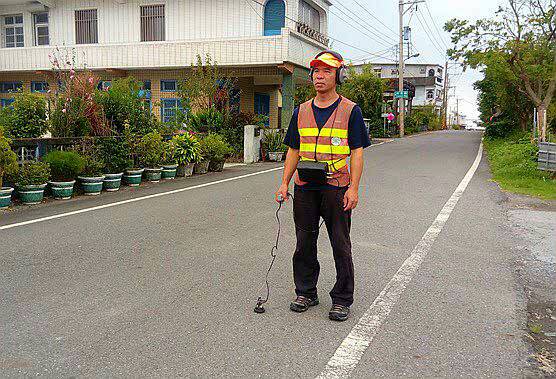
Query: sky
<point>351,22</point>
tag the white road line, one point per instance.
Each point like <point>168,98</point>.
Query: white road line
<point>349,353</point>
<point>9,226</point>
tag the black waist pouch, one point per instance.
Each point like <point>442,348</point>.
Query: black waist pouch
<point>313,172</point>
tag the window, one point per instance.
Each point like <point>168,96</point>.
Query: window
<point>431,72</point>
<point>6,102</point>
<point>168,85</point>
<point>394,71</point>
<point>423,70</point>
<point>6,87</point>
<point>152,23</point>
<point>430,94</point>
<point>145,91</point>
<point>40,24</point>
<point>309,15</point>
<point>438,94</point>
<point>39,86</point>
<point>262,106</point>
<point>274,17</point>
<point>86,26</point>
<point>13,31</point>
<point>169,108</point>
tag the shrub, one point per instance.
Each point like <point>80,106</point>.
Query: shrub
<point>214,148</point>
<point>64,165</point>
<point>93,167</point>
<point>26,118</point>
<point>124,102</point>
<point>499,129</point>
<point>273,141</point>
<point>115,152</point>
<point>151,150</point>
<point>8,159</point>
<point>186,148</point>
<point>75,113</point>
<point>33,173</point>
<point>207,120</point>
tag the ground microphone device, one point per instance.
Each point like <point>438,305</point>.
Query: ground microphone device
<point>313,172</point>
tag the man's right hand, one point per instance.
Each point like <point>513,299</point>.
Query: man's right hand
<point>282,193</point>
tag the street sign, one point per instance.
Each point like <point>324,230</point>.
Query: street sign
<point>390,117</point>
<point>401,94</point>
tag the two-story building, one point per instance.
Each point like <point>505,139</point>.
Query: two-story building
<point>265,44</point>
<point>426,81</point>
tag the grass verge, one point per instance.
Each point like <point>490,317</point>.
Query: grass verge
<point>513,162</point>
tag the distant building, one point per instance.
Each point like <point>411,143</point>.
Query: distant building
<point>425,82</point>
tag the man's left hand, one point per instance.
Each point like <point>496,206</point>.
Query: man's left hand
<point>351,198</point>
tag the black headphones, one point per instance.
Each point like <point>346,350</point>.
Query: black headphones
<point>341,72</point>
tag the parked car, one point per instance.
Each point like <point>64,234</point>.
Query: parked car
<point>474,126</point>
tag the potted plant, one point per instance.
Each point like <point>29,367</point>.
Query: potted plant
<point>31,181</point>
<point>169,167</point>
<point>8,166</point>
<point>115,153</point>
<point>92,177</point>
<point>186,149</point>
<point>65,166</point>
<point>216,150</point>
<point>151,153</point>
<point>272,143</point>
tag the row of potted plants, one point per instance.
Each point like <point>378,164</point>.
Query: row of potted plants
<point>106,163</point>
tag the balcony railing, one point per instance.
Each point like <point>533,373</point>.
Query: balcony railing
<point>306,30</point>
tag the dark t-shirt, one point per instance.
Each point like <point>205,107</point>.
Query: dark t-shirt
<point>357,132</point>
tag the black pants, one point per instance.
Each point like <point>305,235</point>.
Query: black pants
<point>308,207</point>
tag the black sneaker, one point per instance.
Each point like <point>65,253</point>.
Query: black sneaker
<point>302,303</point>
<point>338,312</point>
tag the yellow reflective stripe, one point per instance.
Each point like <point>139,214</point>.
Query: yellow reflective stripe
<point>325,132</point>
<point>333,163</point>
<point>324,149</point>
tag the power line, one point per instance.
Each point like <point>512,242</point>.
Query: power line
<point>380,40</point>
<point>434,24</point>
<point>376,18</point>
<point>423,17</point>
<point>429,35</point>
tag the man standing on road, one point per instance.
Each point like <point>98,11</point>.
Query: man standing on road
<point>322,134</point>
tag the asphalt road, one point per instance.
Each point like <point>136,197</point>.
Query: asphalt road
<point>166,286</point>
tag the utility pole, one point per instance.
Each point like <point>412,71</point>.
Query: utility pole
<point>401,101</point>
<point>445,98</point>
<point>457,111</point>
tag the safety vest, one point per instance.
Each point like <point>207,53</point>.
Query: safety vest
<point>330,143</point>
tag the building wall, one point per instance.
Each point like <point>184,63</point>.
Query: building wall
<point>119,22</point>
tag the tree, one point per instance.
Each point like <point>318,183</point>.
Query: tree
<point>365,89</point>
<point>524,34</point>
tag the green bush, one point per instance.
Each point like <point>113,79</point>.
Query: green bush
<point>93,167</point>
<point>151,150</point>
<point>115,152</point>
<point>273,141</point>
<point>122,103</point>
<point>186,148</point>
<point>499,129</point>
<point>65,166</point>
<point>33,173</point>
<point>422,118</point>
<point>214,148</point>
<point>26,118</point>
<point>207,121</point>
<point>8,159</point>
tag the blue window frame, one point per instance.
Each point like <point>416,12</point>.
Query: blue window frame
<point>168,85</point>
<point>145,90</point>
<point>39,86</point>
<point>7,87</point>
<point>274,17</point>
<point>6,102</point>
<point>262,105</point>
<point>168,108</point>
